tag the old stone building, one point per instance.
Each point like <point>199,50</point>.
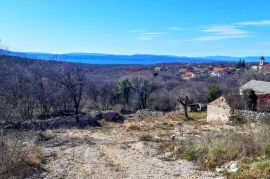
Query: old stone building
<point>262,90</point>
<point>223,110</point>
<point>219,111</point>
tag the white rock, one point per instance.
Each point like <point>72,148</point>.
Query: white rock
<point>219,169</point>
<point>230,167</point>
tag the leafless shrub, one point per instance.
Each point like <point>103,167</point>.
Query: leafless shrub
<point>20,155</point>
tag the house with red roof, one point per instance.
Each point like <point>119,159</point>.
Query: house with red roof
<point>189,75</point>
<point>219,72</point>
<point>182,70</point>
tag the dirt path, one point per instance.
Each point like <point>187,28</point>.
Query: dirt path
<point>111,154</point>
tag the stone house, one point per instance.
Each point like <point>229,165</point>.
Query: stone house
<point>219,111</point>
<point>222,110</point>
<point>262,90</point>
<point>260,87</point>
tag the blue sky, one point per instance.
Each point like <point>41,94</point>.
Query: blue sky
<point>170,27</point>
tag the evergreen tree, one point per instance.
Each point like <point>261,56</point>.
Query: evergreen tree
<point>213,93</point>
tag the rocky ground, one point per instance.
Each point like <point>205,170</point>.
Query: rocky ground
<point>116,151</point>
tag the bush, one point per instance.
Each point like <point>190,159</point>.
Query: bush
<point>134,127</point>
<point>213,93</point>
<point>212,151</point>
<point>19,156</point>
<point>167,146</point>
<point>147,137</point>
<point>162,100</point>
<point>253,168</point>
<point>266,148</point>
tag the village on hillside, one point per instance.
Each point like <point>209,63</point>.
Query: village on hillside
<point>193,71</point>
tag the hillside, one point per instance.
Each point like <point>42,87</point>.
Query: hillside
<point>96,58</point>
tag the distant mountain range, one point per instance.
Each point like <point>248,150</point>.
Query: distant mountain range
<point>96,58</point>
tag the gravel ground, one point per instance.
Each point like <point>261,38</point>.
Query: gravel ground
<point>111,154</point>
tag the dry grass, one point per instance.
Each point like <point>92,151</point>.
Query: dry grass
<point>164,126</point>
<point>134,127</point>
<point>251,149</point>
<point>19,155</point>
<point>198,115</point>
<point>149,138</point>
<point>253,168</point>
<point>167,146</point>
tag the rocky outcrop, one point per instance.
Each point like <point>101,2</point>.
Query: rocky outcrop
<point>77,121</point>
<point>125,111</point>
<point>148,113</point>
<point>112,116</point>
<point>97,115</point>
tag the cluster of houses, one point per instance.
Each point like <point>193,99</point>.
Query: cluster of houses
<point>193,73</point>
<point>224,108</point>
<point>263,67</point>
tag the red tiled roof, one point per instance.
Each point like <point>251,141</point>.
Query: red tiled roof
<point>266,65</point>
<point>219,70</point>
<point>189,74</point>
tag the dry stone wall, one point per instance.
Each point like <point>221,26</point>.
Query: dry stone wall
<point>251,116</point>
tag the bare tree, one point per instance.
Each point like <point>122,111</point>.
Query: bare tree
<point>45,87</point>
<point>72,80</point>
<point>185,101</point>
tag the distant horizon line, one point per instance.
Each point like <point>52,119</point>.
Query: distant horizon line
<point>133,54</point>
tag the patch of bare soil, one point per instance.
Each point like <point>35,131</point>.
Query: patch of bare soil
<point>115,151</point>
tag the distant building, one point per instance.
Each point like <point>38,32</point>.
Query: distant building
<point>222,111</point>
<point>219,72</point>
<point>189,75</point>
<point>262,90</point>
<point>262,67</point>
<point>157,69</point>
<point>182,70</point>
<point>260,87</point>
<point>255,68</point>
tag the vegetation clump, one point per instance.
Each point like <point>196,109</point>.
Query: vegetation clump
<point>20,156</point>
<point>251,150</point>
<point>147,137</point>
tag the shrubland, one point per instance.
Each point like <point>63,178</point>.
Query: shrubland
<point>33,89</point>
<point>250,148</point>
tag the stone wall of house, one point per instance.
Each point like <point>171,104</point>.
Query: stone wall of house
<point>218,114</point>
<point>251,116</point>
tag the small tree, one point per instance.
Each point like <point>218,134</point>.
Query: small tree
<point>250,99</point>
<point>185,102</point>
<point>213,93</point>
<point>123,91</point>
<point>134,91</point>
<point>73,80</point>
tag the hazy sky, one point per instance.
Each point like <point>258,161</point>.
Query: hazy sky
<point>172,27</point>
